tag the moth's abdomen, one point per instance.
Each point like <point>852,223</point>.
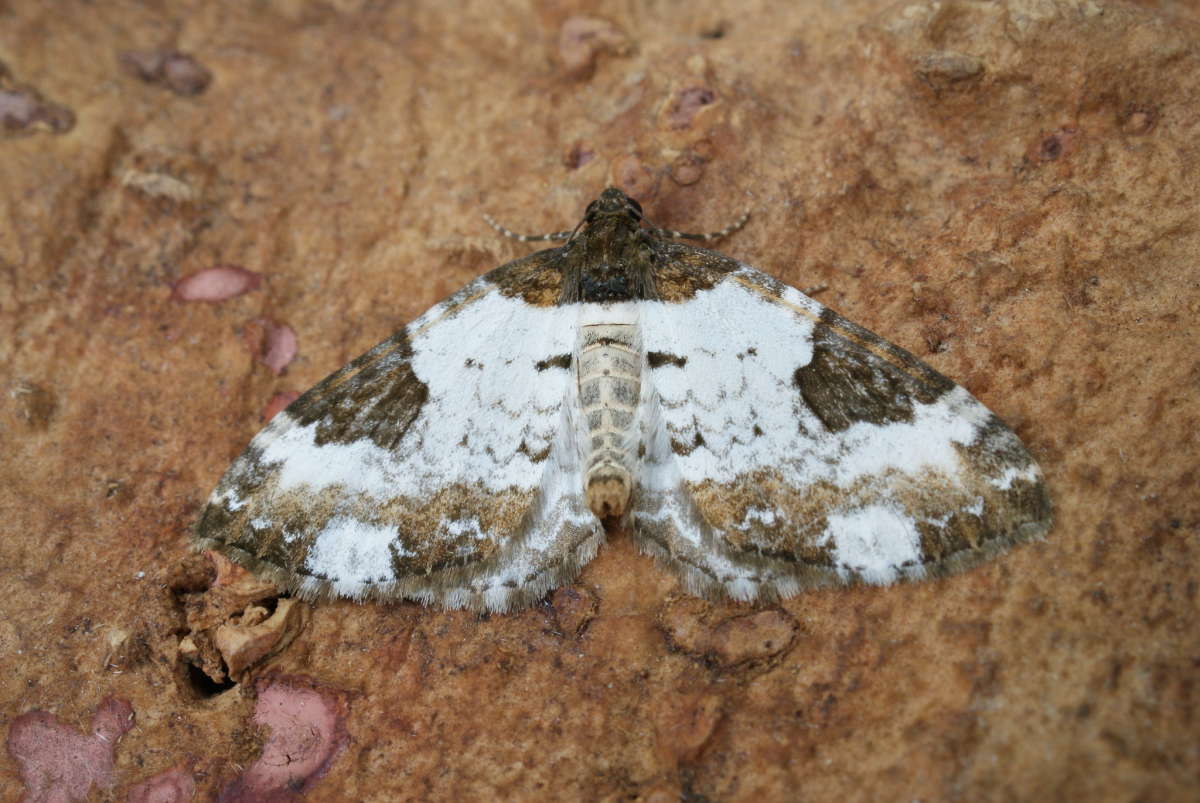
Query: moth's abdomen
<point>609,373</point>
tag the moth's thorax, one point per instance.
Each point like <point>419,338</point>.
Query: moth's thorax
<point>611,260</point>
<point>608,369</point>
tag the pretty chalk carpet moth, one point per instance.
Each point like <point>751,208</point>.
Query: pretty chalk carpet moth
<point>753,441</point>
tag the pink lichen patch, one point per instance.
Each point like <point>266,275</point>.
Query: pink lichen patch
<point>274,343</point>
<point>279,403</point>
<point>688,104</point>
<point>178,72</point>
<point>57,762</point>
<point>582,39</point>
<point>23,110</point>
<point>306,735</point>
<point>17,109</point>
<point>219,283</point>
<point>170,786</point>
<point>280,348</point>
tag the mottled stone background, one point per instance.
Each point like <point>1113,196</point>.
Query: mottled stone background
<point>1008,190</point>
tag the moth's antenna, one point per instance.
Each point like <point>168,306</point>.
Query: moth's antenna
<point>712,235</point>
<point>526,238</point>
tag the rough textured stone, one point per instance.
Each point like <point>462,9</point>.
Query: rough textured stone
<point>692,626</point>
<point>257,634</point>
<point>1010,190</point>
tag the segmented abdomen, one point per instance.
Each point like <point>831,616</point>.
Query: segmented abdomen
<point>609,373</point>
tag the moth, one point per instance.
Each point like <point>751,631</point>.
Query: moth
<point>751,440</point>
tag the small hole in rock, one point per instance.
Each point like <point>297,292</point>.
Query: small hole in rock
<point>203,685</point>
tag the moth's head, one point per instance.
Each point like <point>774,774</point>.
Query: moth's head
<point>613,205</point>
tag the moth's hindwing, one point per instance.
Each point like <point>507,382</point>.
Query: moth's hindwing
<point>436,466</point>
<point>788,448</point>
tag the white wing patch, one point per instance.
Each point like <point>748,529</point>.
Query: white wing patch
<point>874,540</point>
<point>351,551</point>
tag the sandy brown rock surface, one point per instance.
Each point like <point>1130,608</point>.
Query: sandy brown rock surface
<point>1011,191</point>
